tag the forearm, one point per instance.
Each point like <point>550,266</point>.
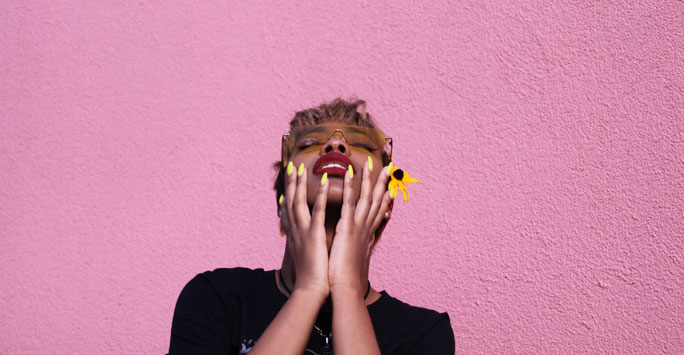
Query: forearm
<point>352,328</point>
<point>290,330</point>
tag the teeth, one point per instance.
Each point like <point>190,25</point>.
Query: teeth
<point>333,165</point>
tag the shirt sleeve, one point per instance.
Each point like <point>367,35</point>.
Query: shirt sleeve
<point>201,321</point>
<point>437,340</point>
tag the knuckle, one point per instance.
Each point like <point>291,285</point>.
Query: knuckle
<point>318,208</point>
<point>349,198</point>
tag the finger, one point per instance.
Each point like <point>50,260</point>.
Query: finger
<point>348,204</point>
<point>378,193</point>
<point>318,215</point>
<point>365,199</point>
<point>290,189</point>
<point>384,207</point>
<point>300,207</point>
<point>386,216</point>
<point>282,212</point>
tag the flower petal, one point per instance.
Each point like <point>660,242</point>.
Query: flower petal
<point>408,178</point>
<point>403,191</point>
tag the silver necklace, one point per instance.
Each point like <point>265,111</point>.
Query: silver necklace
<point>327,347</point>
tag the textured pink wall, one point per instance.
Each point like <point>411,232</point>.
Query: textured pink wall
<point>136,141</point>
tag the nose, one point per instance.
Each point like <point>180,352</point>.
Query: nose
<point>336,143</point>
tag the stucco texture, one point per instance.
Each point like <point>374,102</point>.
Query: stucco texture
<point>136,143</point>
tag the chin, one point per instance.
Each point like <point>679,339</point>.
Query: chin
<point>334,196</point>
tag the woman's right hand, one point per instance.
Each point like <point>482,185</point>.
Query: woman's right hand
<point>306,237</point>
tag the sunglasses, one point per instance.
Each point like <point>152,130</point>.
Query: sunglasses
<point>308,138</point>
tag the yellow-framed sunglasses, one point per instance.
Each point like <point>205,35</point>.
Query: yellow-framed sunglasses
<point>363,139</point>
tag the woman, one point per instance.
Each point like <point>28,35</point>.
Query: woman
<point>333,202</point>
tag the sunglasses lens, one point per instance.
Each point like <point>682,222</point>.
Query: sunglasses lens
<point>359,138</point>
<point>310,138</point>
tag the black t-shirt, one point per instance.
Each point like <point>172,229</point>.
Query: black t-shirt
<point>226,310</point>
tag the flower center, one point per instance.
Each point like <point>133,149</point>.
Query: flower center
<point>398,174</point>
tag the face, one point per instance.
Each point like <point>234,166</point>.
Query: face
<point>332,155</point>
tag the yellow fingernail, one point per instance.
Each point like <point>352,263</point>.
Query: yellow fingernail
<point>370,163</point>
<point>393,193</point>
<point>389,168</point>
<point>280,200</point>
<point>290,167</point>
<point>351,171</point>
<point>324,178</point>
<point>300,170</point>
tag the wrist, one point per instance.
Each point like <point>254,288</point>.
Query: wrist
<point>348,291</point>
<point>313,296</point>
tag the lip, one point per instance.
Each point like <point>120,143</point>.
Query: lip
<point>333,157</point>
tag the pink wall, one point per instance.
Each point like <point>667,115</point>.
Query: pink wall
<point>136,141</point>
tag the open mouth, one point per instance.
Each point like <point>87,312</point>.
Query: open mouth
<point>335,164</point>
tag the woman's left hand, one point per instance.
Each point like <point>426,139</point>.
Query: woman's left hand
<point>352,243</point>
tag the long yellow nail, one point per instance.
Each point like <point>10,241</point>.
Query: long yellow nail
<point>280,200</point>
<point>393,193</point>
<point>324,178</point>
<point>290,167</point>
<point>300,170</point>
<point>351,171</point>
<point>370,163</point>
<point>389,168</point>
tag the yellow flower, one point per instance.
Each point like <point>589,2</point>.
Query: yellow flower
<point>399,179</point>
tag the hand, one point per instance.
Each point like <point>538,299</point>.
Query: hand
<point>306,238</point>
<point>352,244</point>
